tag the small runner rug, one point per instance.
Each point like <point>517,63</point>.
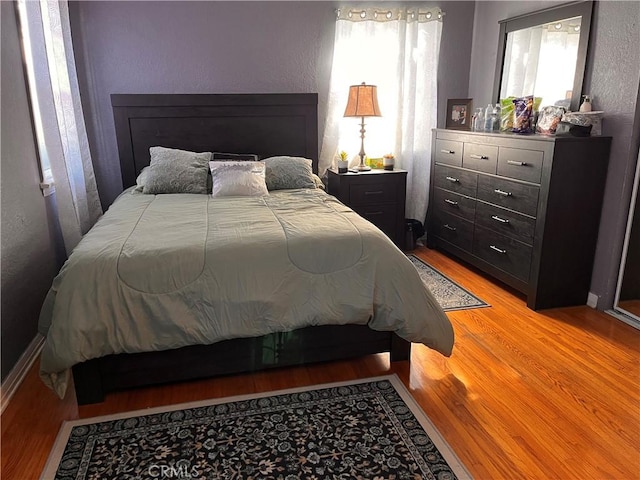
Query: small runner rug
<point>370,428</point>
<point>448,293</point>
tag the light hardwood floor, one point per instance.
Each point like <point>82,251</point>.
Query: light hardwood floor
<point>541,395</point>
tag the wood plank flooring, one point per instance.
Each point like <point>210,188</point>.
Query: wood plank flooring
<point>540,395</point>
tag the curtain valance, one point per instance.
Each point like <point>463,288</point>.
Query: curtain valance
<point>377,14</point>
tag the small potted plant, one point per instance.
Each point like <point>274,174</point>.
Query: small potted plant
<point>388,161</point>
<point>343,163</point>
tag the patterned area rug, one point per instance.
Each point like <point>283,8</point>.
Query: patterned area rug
<point>369,429</point>
<point>448,293</point>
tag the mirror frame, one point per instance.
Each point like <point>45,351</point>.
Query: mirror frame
<point>582,9</point>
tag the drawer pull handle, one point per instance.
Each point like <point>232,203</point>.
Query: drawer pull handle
<point>499,250</point>
<point>451,202</point>
<point>502,192</point>
<point>479,157</point>
<point>498,219</point>
<point>453,179</point>
<point>375,192</point>
<point>448,152</point>
<point>520,164</point>
<point>369,214</point>
<point>449,227</point>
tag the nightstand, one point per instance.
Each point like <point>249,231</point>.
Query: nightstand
<point>377,195</point>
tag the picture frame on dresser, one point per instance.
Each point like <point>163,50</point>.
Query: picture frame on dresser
<point>459,113</point>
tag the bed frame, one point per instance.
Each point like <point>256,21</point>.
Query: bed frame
<point>265,124</point>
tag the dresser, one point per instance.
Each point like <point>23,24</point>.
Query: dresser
<point>524,209</point>
<point>377,195</point>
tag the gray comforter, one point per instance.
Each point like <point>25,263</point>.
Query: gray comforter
<point>160,272</point>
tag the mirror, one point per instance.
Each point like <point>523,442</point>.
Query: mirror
<point>627,299</point>
<point>544,54</point>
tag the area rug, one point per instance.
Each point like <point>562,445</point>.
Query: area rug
<point>366,429</point>
<point>448,293</point>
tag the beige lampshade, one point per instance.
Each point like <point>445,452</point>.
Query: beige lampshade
<point>363,101</point>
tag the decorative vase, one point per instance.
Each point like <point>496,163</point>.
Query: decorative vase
<point>343,166</point>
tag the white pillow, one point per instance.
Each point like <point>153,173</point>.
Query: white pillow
<point>239,178</point>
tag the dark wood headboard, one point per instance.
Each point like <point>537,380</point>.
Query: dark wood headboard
<point>265,124</point>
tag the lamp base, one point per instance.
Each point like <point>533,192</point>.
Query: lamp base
<point>362,167</point>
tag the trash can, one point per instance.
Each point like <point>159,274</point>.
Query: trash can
<point>413,231</point>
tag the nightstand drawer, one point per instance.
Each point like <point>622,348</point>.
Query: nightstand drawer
<point>502,252</point>
<point>453,203</point>
<point>506,222</point>
<point>521,164</point>
<point>453,229</point>
<point>506,193</point>
<point>449,152</point>
<point>456,180</point>
<point>480,157</point>
<point>370,193</point>
<point>376,195</point>
<point>382,216</point>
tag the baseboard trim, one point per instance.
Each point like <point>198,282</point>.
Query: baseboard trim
<point>592,300</point>
<point>16,375</point>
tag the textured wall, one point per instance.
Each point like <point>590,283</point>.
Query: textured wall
<point>193,47</point>
<point>612,78</point>
<point>28,254</point>
<point>455,54</point>
<point>220,47</point>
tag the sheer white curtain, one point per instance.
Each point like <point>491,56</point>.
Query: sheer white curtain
<point>397,50</point>
<point>55,96</point>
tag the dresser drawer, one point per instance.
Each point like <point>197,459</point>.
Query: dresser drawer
<point>449,152</point>
<point>453,203</point>
<point>506,193</point>
<point>521,164</point>
<point>502,252</point>
<point>456,180</point>
<point>505,222</point>
<point>382,216</point>
<point>373,192</point>
<point>453,229</point>
<point>483,158</point>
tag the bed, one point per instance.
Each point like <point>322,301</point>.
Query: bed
<point>138,301</point>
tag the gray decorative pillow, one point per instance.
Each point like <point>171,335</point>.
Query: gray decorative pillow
<point>288,172</point>
<point>141,180</point>
<point>177,171</point>
<point>238,178</point>
<point>318,181</point>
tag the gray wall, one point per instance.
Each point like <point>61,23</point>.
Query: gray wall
<point>220,47</point>
<point>193,47</point>
<point>612,79</point>
<point>28,252</point>
<point>455,54</point>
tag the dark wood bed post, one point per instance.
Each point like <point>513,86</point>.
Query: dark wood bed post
<point>400,349</point>
<point>88,383</point>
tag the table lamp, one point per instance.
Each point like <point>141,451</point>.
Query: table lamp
<point>363,102</point>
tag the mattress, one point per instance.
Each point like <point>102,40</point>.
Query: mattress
<point>161,272</point>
